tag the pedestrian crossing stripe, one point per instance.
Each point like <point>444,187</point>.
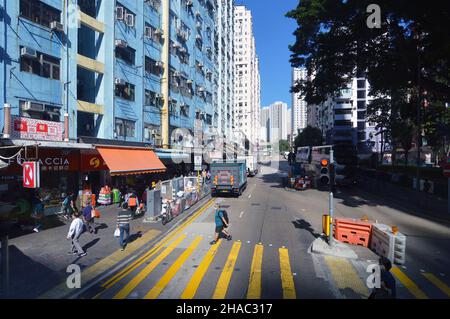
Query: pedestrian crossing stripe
<point>133,266</point>
<point>224,279</point>
<point>438,283</point>
<point>167,277</point>
<point>131,285</point>
<point>194,283</point>
<point>345,276</point>
<point>254,284</point>
<point>287,279</point>
<point>409,284</point>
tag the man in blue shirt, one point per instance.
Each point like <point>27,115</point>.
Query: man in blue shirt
<point>221,224</point>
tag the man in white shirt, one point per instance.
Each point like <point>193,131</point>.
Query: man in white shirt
<point>76,228</point>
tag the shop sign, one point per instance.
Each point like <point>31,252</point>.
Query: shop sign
<point>31,175</point>
<point>92,161</point>
<point>33,129</point>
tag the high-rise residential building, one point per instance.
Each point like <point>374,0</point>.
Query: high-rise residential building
<point>78,74</point>
<point>225,45</point>
<point>278,119</point>
<point>299,106</point>
<point>247,79</point>
<point>265,124</point>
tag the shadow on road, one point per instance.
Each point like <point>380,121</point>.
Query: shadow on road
<point>304,225</point>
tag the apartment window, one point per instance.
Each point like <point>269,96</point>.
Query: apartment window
<point>126,91</point>
<point>125,128</point>
<point>184,110</point>
<point>155,4</point>
<point>43,65</point>
<point>151,66</point>
<point>40,111</point>
<point>343,123</point>
<point>361,126</point>
<point>151,33</point>
<point>361,94</point>
<point>361,115</point>
<point>39,12</point>
<point>361,136</point>
<point>361,104</point>
<point>150,98</point>
<point>361,84</point>
<point>128,55</point>
<point>343,112</point>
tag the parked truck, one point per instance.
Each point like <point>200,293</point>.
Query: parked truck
<point>251,164</point>
<point>228,177</point>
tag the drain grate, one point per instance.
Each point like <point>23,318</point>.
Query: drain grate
<point>276,208</point>
<point>255,204</point>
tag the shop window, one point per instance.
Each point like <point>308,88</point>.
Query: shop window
<point>39,12</point>
<point>126,91</point>
<point>42,65</point>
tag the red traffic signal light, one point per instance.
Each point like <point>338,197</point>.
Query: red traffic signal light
<point>324,162</point>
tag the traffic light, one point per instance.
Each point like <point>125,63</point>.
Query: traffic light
<point>324,172</point>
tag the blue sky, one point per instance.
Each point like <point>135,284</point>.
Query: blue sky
<point>273,33</point>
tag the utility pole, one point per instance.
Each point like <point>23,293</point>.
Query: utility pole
<point>332,172</point>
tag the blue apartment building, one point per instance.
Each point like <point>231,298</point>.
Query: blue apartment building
<point>76,74</point>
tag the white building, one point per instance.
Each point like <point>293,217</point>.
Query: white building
<point>225,85</point>
<point>299,106</point>
<point>265,124</point>
<point>247,79</point>
<point>278,119</point>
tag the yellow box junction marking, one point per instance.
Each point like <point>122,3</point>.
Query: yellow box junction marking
<point>224,280</point>
<point>254,284</point>
<point>438,283</point>
<point>409,284</point>
<point>197,277</point>
<point>125,291</point>
<point>164,281</point>
<point>287,279</point>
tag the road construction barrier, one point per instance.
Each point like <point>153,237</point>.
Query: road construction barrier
<point>385,242</point>
<point>352,231</point>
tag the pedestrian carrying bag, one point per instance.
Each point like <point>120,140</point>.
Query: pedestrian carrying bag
<point>95,213</point>
<point>132,202</point>
<point>117,232</point>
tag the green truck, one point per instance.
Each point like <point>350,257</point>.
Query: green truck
<point>228,177</point>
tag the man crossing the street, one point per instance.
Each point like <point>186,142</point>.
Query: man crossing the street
<point>123,224</point>
<point>221,224</point>
<point>75,231</point>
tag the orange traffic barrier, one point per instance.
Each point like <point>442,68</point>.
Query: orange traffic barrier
<point>352,231</point>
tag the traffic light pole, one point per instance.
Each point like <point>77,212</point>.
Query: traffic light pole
<point>332,180</point>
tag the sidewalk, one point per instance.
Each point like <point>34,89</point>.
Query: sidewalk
<point>38,261</point>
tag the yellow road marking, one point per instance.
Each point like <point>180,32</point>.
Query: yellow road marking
<point>125,291</point>
<point>164,281</point>
<point>196,279</point>
<point>438,283</point>
<point>225,277</point>
<point>124,272</point>
<point>287,279</point>
<point>345,276</point>
<point>254,284</point>
<point>409,284</point>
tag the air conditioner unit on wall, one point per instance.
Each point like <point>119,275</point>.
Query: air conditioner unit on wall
<point>120,13</point>
<point>119,81</point>
<point>57,26</point>
<point>28,53</point>
<point>121,43</point>
<point>158,32</point>
<point>159,64</point>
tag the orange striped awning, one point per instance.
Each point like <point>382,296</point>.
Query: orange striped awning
<point>130,161</point>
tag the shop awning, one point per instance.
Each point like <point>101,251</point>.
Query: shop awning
<point>130,161</point>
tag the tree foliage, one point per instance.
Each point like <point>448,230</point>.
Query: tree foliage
<point>409,51</point>
<point>310,136</point>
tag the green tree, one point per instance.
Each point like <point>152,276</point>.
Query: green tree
<point>405,60</point>
<point>283,145</point>
<point>310,136</point>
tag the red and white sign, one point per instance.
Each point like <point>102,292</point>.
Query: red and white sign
<point>31,175</point>
<point>32,129</point>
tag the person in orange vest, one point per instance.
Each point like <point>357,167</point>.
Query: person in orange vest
<point>132,200</point>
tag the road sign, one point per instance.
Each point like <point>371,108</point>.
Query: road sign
<point>198,162</point>
<point>31,175</point>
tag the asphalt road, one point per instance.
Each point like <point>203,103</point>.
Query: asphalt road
<point>269,257</point>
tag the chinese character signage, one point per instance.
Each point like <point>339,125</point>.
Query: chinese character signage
<point>31,175</point>
<point>32,129</point>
